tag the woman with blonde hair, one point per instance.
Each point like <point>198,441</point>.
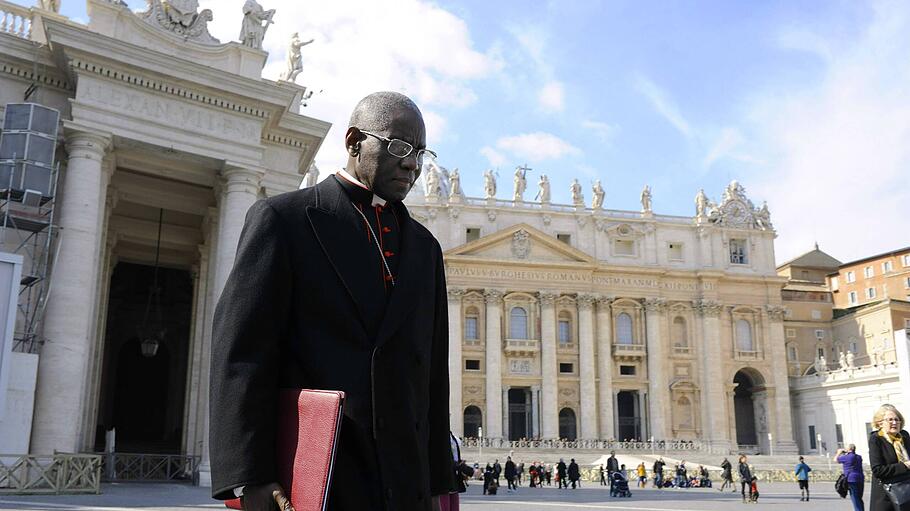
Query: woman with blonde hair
<point>888,445</point>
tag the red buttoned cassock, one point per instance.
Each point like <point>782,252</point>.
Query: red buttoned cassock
<point>304,307</point>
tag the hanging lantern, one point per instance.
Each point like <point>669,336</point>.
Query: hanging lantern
<point>149,347</point>
<point>152,336</point>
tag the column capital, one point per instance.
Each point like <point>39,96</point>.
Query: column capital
<point>238,178</point>
<point>776,312</point>
<point>586,301</point>
<point>455,293</point>
<point>708,308</point>
<point>547,298</point>
<point>493,296</point>
<point>655,305</point>
<point>86,143</point>
<point>604,302</point>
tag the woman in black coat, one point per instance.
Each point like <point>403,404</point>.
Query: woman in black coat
<point>888,446</point>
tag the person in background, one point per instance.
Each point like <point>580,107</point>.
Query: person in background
<point>727,476</point>
<point>853,471</point>
<point>745,476</point>
<point>888,446</point>
<point>802,477</point>
<point>658,470</point>
<point>574,474</point>
<point>561,474</point>
<point>510,473</point>
<point>497,470</point>
<point>753,490</point>
<point>612,466</point>
<point>487,478</point>
<point>642,475</point>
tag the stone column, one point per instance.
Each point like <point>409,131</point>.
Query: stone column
<point>776,349</point>
<point>658,388</point>
<point>207,252</point>
<point>456,412</point>
<point>549,412</point>
<point>586,374</point>
<point>239,190</point>
<point>605,368</point>
<point>198,387</point>
<point>505,411</point>
<point>535,411</point>
<point>730,405</point>
<point>714,413</point>
<point>493,341</point>
<point>70,313</point>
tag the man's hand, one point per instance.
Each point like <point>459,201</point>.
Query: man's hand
<point>265,497</point>
<point>434,502</point>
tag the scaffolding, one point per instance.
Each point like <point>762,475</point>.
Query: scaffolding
<point>28,184</point>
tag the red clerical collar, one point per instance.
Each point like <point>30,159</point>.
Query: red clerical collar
<point>376,201</point>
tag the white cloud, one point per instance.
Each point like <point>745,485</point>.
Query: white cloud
<point>840,163</point>
<point>537,146</point>
<point>663,105</point>
<point>495,158</point>
<point>361,46</point>
<point>601,130</point>
<point>552,97</point>
<point>729,145</point>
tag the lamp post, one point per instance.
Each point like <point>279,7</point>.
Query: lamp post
<point>480,443</point>
<point>771,443</point>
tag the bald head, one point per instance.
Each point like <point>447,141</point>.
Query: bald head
<point>377,111</point>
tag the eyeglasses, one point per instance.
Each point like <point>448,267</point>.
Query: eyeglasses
<point>401,149</point>
<point>892,419</point>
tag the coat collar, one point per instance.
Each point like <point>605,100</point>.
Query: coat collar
<point>333,220</point>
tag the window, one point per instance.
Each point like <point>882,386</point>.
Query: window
<point>676,251</point>
<point>565,238</point>
<point>886,267</point>
<point>744,336</point>
<point>566,368</point>
<point>627,370</point>
<point>812,440</point>
<point>791,333</point>
<point>679,337</point>
<point>565,328</point>
<point>854,347</point>
<point>906,323</point>
<point>851,298</point>
<point>868,272</point>
<point>518,323</point>
<point>851,277</point>
<point>471,234</point>
<point>907,283</point>
<point>804,274</point>
<point>791,353</point>
<point>816,314</point>
<point>819,334</point>
<point>834,284</point>
<point>905,260</point>
<point>820,352</point>
<point>738,252</point>
<point>472,365</point>
<point>839,432</point>
<point>624,248</point>
<point>624,329</point>
<point>870,292</point>
<point>470,324</point>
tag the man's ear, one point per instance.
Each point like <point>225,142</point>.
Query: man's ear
<point>352,139</point>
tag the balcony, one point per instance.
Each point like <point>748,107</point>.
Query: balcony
<point>628,351</point>
<point>683,351</point>
<point>747,355</point>
<point>521,347</point>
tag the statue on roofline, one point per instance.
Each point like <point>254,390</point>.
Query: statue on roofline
<point>295,58</point>
<point>256,21</point>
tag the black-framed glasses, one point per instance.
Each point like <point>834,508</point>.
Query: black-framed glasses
<point>401,149</point>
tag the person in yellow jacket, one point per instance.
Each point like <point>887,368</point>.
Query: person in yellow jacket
<point>642,475</point>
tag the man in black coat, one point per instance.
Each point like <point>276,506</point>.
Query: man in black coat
<point>612,466</point>
<point>336,287</point>
<point>561,472</point>
<point>574,473</point>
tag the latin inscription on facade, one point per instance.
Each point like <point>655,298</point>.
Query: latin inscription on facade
<point>520,366</point>
<point>611,281</point>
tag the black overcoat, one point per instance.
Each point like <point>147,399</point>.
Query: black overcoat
<point>297,312</point>
<point>885,467</point>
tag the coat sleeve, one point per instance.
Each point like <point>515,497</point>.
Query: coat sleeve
<point>440,452</point>
<point>249,325</point>
<point>881,468</point>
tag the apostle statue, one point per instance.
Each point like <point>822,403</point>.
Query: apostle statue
<point>432,181</point>
<point>701,204</point>
<point>821,365</point>
<point>312,174</point>
<point>489,184</point>
<point>851,360</point>
<point>543,189</point>
<point>295,59</point>
<point>578,198</point>
<point>455,192</point>
<point>50,5</point>
<point>598,195</point>
<point>646,199</point>
<point>256,21</point>
<point>842,360</point>
<point>521,183</point>
<point>763,217</point>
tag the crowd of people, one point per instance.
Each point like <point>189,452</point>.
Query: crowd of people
<point>538,474</point>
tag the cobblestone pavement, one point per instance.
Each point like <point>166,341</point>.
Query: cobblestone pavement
<point>172,497</point>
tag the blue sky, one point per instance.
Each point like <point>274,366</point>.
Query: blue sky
<point>805,103</point>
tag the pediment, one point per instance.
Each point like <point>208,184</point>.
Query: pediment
<point>521,242</point>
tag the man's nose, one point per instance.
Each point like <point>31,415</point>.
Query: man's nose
<point>409,162</point>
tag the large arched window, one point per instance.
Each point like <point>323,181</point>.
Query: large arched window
<point>744,336</point>
<point>624,329</point>
<point>473,419</point>
<point>471,320</point>
<point>518,323</point>
<point>680,336</point>
<point>567,428</point>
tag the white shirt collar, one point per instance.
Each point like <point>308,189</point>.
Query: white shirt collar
<point>377,200</point>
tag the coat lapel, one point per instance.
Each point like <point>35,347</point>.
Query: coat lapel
<point>416,251</point>
<point>333,222</point>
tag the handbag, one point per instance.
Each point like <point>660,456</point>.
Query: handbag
<point>840,486</point>
<point>899,494</point>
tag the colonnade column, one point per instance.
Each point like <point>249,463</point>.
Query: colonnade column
<point>70,314</point>
<point>239,190</point>
<point>535,412</point>
<point>776,349</point>
<point>207,253</point>
<point>493,341</point>
<point>586,373</point>
<point>548,398</point>
<point>505,412</point>
<point>605,368</point>
<point>714,413</point>
<point>456,419</point>
<point>658,388</point>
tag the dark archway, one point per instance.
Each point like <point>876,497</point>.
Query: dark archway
<point>519,414</point>
<point>744,409</point>
<point>629,421</point>
<point>473,421</point>
<point>567,424</point>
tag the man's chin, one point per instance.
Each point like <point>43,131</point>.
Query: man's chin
<point>396,192</point>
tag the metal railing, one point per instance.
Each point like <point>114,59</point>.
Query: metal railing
<point>748,354</point>
<point>620,349</point>
<point>657,445</point>
<point>52,474</point>
<point>15,20</point>
<point>522,346</point>
<point>149,467</point>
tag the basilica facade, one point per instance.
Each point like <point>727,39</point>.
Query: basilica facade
<point>578,322</point>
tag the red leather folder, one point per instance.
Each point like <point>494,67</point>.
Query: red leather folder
<point>308,426</point>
